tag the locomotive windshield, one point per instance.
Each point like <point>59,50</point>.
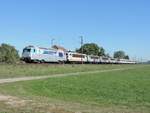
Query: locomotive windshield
<point>26,50</point>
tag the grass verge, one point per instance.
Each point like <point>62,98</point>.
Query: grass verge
<point>129,88</point>
<point>10,71</point>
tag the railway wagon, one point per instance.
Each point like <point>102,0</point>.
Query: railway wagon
<point>73,57</point>
<point>112,61</point>
<point>39,54</point>
<point>126,61</point>
<point>104,60</point>
<point>93,59</point>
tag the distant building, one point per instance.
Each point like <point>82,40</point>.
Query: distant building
<point>59,48</point>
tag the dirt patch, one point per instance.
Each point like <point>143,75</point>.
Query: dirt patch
<point>21,105</point>
<point>13,101</point>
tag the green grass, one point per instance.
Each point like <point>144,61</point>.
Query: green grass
<point>7,71</point>
<point>130,88</point>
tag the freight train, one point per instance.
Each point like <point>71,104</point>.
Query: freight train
<point>50,55</point>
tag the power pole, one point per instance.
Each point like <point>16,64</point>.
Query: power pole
<point>81,48</point>
<point>52,41</point>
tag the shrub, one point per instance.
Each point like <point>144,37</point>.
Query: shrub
<point>8,54</point>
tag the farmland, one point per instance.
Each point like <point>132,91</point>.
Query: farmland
<point>121,91</point>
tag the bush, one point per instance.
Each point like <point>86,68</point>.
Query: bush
<point>8,54</point>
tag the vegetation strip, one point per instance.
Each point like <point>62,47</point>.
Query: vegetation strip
<point>11,80</point>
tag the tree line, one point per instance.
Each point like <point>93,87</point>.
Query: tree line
<point>9,54</point>
<point>94,49</point>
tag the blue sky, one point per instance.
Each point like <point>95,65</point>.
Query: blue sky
<point>113,24</point>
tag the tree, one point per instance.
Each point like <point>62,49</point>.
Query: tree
<point>91,49</point>
<point>107,55</point>
<point>8,54</point>
<point>148,62</point>
<point>119,54</point>
<point>127,57</point>
<point>102,51</point>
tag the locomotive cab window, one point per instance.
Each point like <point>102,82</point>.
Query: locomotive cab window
<point>26,50</point>
<point>60,54</point>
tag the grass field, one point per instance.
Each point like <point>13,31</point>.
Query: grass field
<point>10,71</point>
<point>124,91</point>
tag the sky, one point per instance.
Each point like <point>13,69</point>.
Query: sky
<point>113,24</point>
